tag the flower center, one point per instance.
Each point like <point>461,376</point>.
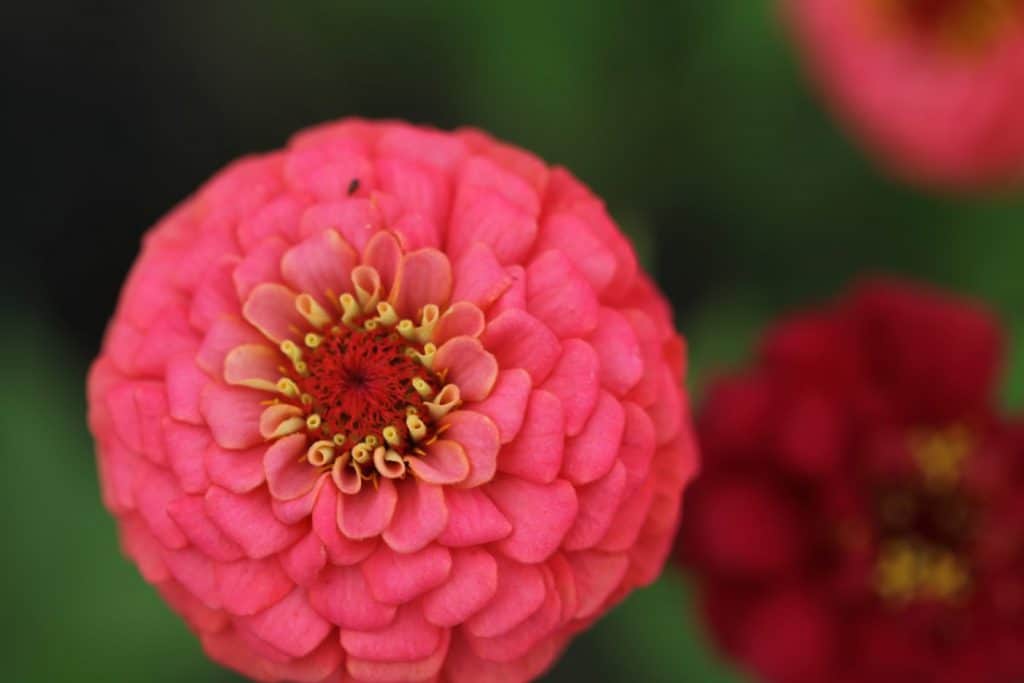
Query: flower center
<point>362,387</point>
<point>960,27</point>
<point>925,525</point>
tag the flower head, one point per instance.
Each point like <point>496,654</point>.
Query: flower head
<point>391,404</point>
<point>857,517</point>
<point>934,87</point>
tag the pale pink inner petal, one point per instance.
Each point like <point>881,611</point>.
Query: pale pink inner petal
<point>424,277</point>
<point>478,436</point>
<point>461,319</point>
<point>271,310</point>
<point>420,515</point>
<point>444,463</point>
<point>321,266</point>
<point>254,366</point>
<point>469,366</point>
<point>384,254</point>
<point>288,474</point>
<point>369,512</point>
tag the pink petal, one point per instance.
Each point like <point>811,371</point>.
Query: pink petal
<point>289,475</point>
<point>341,595</point>
<point>637,448</point>
<point>367,513</point>
<point>565,584</point>
<point>519,640</point>
<point>137,409</point>
<point>261,264</point>
<point>401,672</point>
<point>155,490</point>
<point>189,513</point>
<point>304,560</point>
<point>236,471</point>
<point>320,266</point>
<point>514,297</point>
<point>296,510</point>
<point>667,413</point>
<point>597,575</point>
<point>270,308</point>
<point>185,446</point>
<point>575,382</point>
<point>559,296</point>
<point>630,519</point>
<point>279,216</point>
<point>249,522</point>
<point>590,454</point>
<point>194,571</point>
<point>433,148</point>
<point>420,515</point>
<point>520,593</point>
<point>574,237</point>
<point>416,231</point>
<point>384,254</point>
<point>408,638</point>
<point>471,585</point>
<point>291,625</point>
<point>140,545</point>
<point>473,369</point>
<point>357,220</point>
<point>425,277</point>
<point>233,414</point>
<point>622,363</point>
<point>396,578</point>
<point>340,549</point>
<point>254,366</point>
<point>541,515</point>
<point>472,519</point>
<point>498,169</point>
<point>536,452</point>
<point>444,463</point>
<point>225,334</point>
<point>599,502</point>
<point>484,216</point>
<point>479,278</point>
<point>323,665</point>
<point>518,340</point>
<point>478,436</point>
<point>184,382</point>
<point>461,319</point>
<point>420,190</point>
<point>250,586</point>
<point>169,335</point>
<point>198,615</point>
<point>506,404</point>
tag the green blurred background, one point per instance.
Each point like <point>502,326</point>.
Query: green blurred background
<point>691,118</point>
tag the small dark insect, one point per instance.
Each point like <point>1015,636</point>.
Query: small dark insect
<point>353,186</point>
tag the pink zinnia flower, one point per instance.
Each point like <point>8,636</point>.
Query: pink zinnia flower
<point>391,404</point>
<point>935,87</point>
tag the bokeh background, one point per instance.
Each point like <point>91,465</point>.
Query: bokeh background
<point>691,118</point>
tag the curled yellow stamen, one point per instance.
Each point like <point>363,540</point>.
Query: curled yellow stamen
<point>338,439</point>
<point>422,388</point>
<point>428,320</point>
<point>314,421</point>
<point>391,436</point>
<point>426,358</point>
<point>388,463</point>
<point>361,453</point>
<point>306,399</point>
<point>313,340</point>
<point>417,430</point>
<point>386,314</point>
<point>321,453</point>
<point>371,324</point>
<point>350,308</point>
<point>447,400</point>
<point>312,311</point>
<point>407,329</point>
<point>288,387</point>
<point>291,350</point>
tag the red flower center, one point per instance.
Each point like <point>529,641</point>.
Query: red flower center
<point>361,381</point>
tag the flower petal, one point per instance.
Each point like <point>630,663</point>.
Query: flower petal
<point>483,215</point>
<point>472,519</point>
<point>408,638</point>
<point>225,334</point>
<point>288,474</point>
<point>249,522</point>
<point>341,595</point>
<point>250,586</point>
<point>597,575</point>
<point>622,363</point>
<point>471,585</point>
<point>189,513</point>
<point>599,502</point>
<point>185,446</point>
<point>478,436</point>
<point>254,366</point>
<point>425,277</point>
<point>575,382</point>
<point>536,452</point>
<point>340,549</point>
<point>520,592</point>
<point>291,625</point>
<point>461,319</point>
<point>518,340</point>
<point>472,368</point>
<point>479,278</point>
<point>384,254</point>
<point>444,463</point>
<point>559,296</point>
<point>396,578</point>
<point>506,404</point>
<point>233,414</point>
<point>401,672</point>
<point>184,382</point>
<point>304,561</point>
<point>270,308</point>
<point>320,266</point>
<point>420,515</point>
<point>261,264</point>
<point>367,513</point>
<point>590,454</point>
<point>541,515</point>
<point>237,471</point>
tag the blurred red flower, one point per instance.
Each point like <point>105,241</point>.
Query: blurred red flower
<point>934,87</point>
<point>858,516</point>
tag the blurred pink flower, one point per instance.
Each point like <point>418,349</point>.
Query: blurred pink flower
<point>934,87</point>
<point>391,405</point>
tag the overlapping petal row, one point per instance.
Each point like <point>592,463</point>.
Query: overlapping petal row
<point>858,514</point>
<point>391,405</point>
<point>934,88</point>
